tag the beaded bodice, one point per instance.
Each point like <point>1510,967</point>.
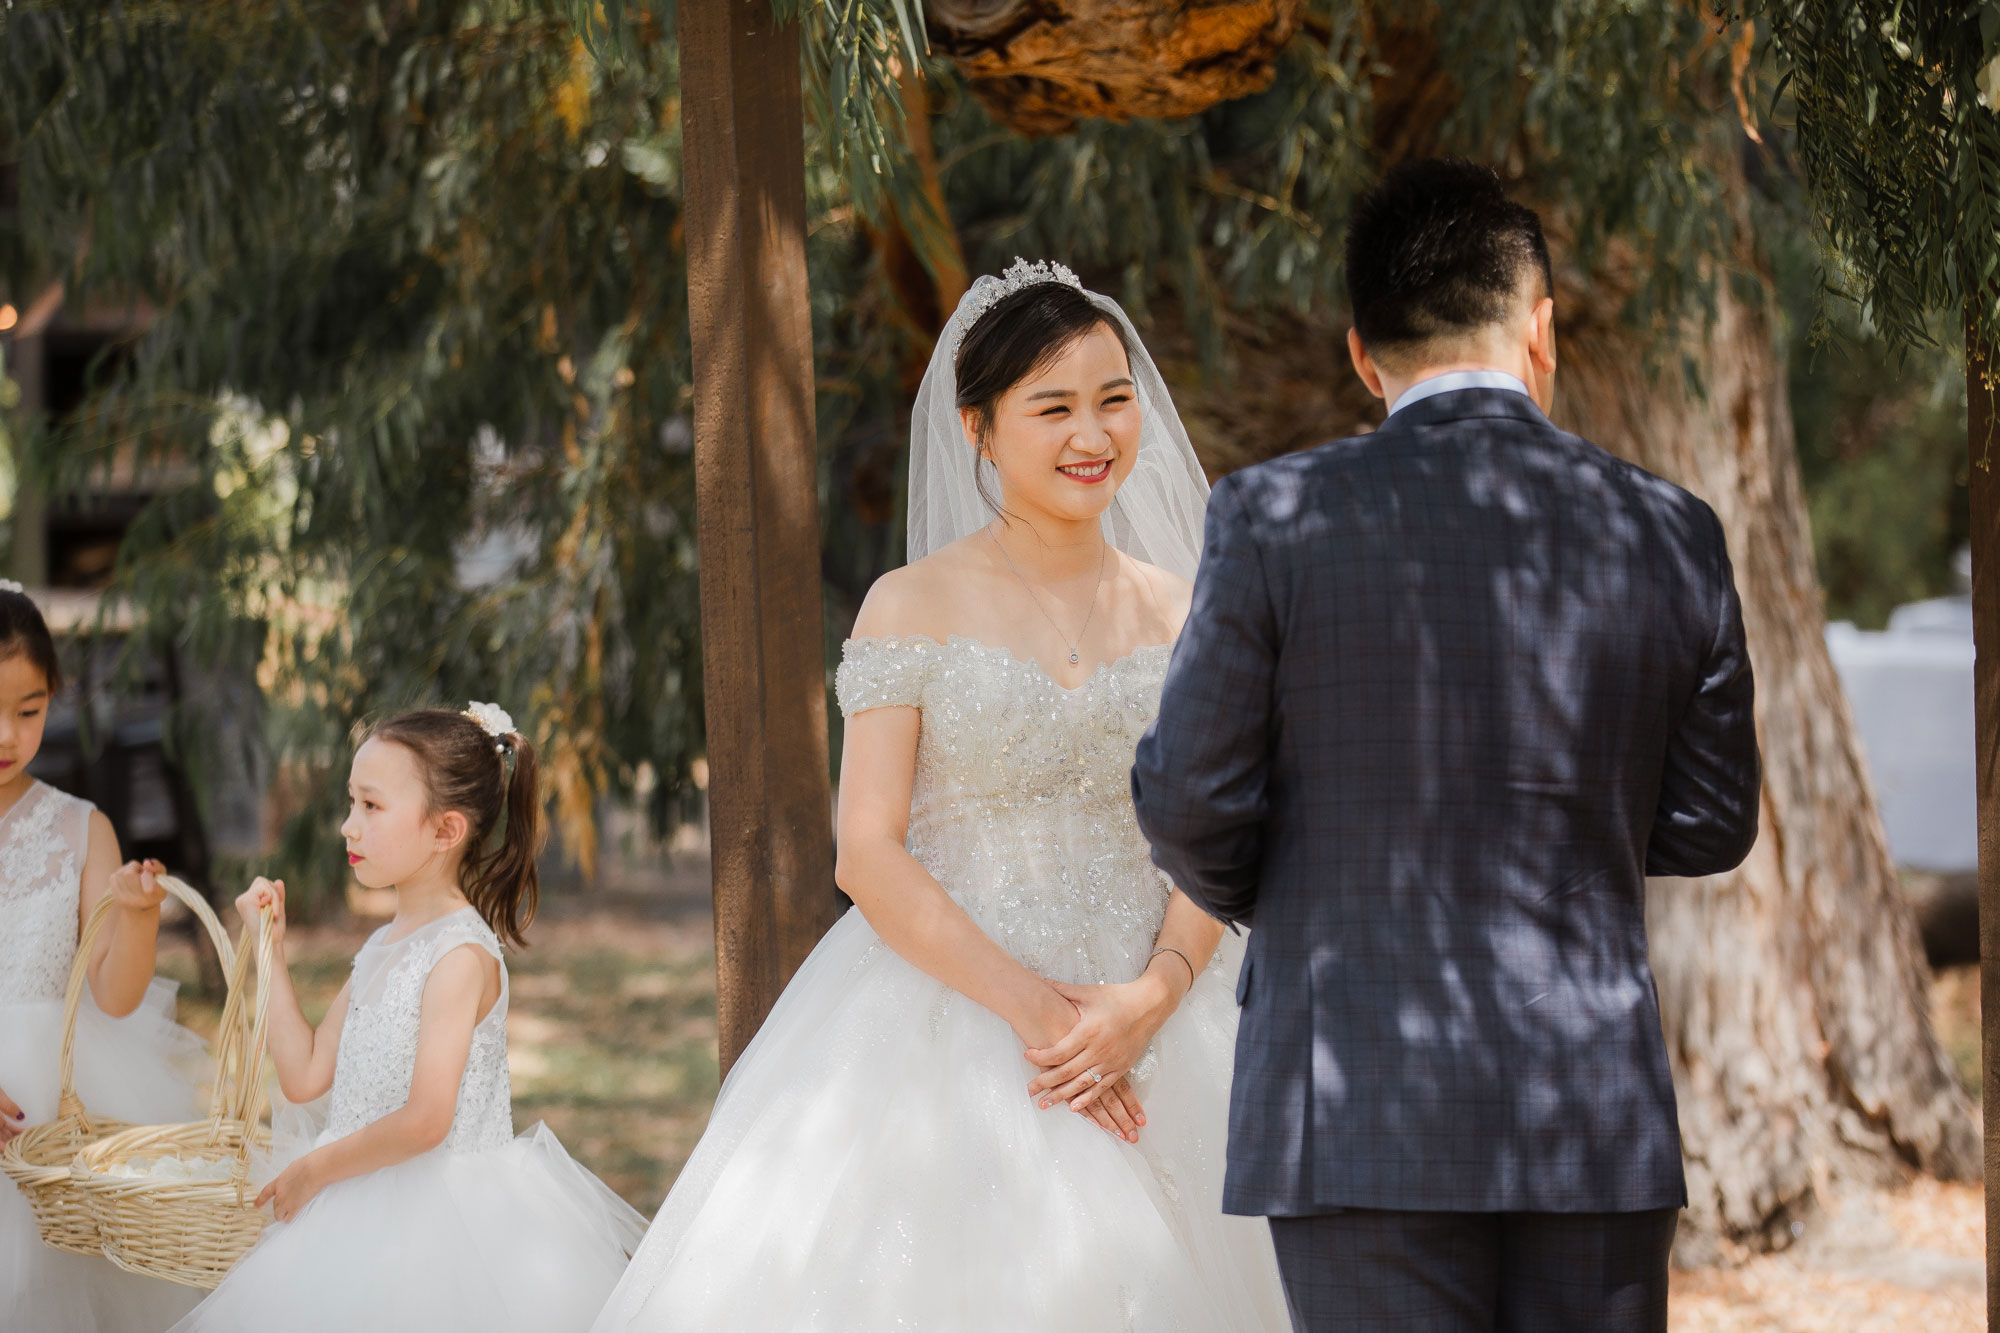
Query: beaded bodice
<point>1022,807</point>
<point>43,841</point>
<point>378,1042</point>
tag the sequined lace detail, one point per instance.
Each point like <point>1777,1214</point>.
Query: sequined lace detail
<point>1022,807</point>
<point>43,841</point>
<point>884,673</point>
<point>378,1042</point>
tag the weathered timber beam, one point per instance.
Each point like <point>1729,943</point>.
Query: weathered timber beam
<point>757,489</point>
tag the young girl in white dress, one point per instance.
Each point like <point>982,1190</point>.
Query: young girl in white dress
<point>416,1208</point>
<point>58,860</point>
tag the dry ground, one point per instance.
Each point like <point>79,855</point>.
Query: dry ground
<point>611,1032</point>
<point>612,1037</point>
<point>1873,1262</point>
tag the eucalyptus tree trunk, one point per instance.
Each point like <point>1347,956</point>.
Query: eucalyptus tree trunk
<point>1794,989</point>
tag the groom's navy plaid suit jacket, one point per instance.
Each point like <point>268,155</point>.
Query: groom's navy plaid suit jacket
<point>1448,693</point>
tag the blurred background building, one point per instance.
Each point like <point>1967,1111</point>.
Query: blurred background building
<point>1910,687</point>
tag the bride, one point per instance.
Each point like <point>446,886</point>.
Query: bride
<point>995,1097</point>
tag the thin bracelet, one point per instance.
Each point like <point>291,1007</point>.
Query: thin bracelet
<point>1168,948</point>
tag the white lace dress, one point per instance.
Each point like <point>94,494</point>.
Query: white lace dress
<point>874,1160</point>
<point>138,1068</point>
<point>486,1231</point>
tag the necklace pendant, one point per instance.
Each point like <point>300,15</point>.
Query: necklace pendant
<point>1074,658</point>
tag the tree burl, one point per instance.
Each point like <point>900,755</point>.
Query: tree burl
<point>1039,66</point>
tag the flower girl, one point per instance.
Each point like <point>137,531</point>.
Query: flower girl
<point>58,860</point>
<point>416,1207</point>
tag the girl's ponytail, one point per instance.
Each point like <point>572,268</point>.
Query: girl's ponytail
<point>506,884</point>
<point>491,778</point>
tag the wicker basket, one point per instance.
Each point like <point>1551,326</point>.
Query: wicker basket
<point>193,1231</point>
<point>37,1161</point>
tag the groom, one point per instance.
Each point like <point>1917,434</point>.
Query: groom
<point>1448,693</point>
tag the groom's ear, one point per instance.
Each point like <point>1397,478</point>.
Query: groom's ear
<point>1364,364</point>
<point>1542,335</point>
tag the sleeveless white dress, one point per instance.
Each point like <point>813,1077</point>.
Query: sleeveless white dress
<point>874,1160</point>
<point>139,1068</point>
<point>486,1231</point>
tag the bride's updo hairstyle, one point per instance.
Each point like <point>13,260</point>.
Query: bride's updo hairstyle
<point>492,783</point>
<point>23,633</point>
<point>1020,335</point>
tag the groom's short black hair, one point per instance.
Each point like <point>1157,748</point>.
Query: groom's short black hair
<point>1437,249</point>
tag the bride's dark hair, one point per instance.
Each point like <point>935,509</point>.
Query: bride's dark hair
<point>1018,336</point>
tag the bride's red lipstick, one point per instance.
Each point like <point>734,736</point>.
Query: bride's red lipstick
<point>354,860</point>
<point>1090,479</point>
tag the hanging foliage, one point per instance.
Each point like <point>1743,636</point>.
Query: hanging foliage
<point>410,398</point>
<point>1899,140</point>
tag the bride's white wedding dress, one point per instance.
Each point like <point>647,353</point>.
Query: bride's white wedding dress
<point>875,1162</point>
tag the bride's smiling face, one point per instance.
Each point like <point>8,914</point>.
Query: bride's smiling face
<point>1065,438</point>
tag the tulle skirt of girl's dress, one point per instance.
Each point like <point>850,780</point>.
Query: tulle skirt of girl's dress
<point>513,1239</point>
<point>141,1068</point>
<point>875,1162</point>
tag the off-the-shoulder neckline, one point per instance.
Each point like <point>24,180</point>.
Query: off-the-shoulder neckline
<point>995,650</point>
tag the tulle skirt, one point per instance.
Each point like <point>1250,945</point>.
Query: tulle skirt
<point>141,1068</point>
<point>513,1239</point>
<point>875,1162</point>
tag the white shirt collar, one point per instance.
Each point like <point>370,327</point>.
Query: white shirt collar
<point>1459,379</point>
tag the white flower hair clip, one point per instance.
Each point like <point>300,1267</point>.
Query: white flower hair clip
<point>492,719</point>
<point>8,585</point>
<point>989,291</point>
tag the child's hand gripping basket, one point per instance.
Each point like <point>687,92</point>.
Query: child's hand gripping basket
<point>175,1201</point>
<point>38,1160</point>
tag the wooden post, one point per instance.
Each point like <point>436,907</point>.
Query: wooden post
<point>757,502</point>
<point>1981,420</point>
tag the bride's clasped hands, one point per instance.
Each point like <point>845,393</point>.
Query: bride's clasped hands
<point>1090,1068</point>
<point>1089,1064</point>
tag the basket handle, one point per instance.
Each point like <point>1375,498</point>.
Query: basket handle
<point>240,1041</point>
<point>69,1105</point>
<point>203,913</point>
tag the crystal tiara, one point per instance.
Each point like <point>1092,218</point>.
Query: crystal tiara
<point>988,291</point>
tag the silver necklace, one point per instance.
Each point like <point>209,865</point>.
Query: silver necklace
<point>1074,655</point>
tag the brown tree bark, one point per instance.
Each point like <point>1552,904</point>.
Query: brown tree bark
<point>1794,990</point>
<point>1043,65</point>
